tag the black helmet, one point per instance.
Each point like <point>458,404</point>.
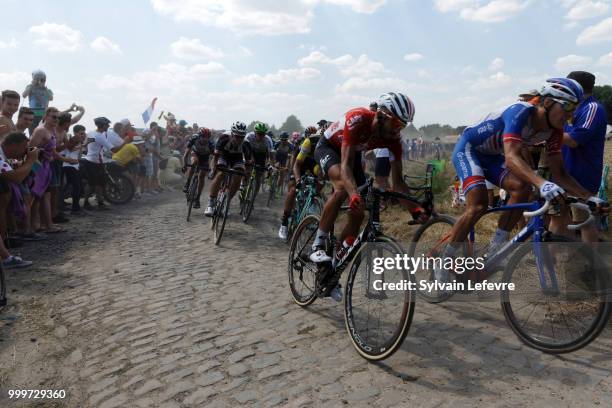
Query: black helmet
<point>284,136</point>
<point>101,121</point>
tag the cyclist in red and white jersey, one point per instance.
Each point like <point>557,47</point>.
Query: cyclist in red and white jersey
<point>338,153</point>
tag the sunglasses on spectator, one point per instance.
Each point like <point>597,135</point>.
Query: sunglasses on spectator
<point>566,105</point>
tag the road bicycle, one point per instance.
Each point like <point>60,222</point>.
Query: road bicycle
<point>561,299</point>
<point>377,319</point>
<point>249,193</point>
<point>307,202</point>
<point>222,204</point>
<point>192,190</point>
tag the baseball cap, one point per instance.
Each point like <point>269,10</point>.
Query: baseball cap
<point>125,122</point>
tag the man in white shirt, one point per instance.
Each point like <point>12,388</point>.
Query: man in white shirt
<point>93,163</point>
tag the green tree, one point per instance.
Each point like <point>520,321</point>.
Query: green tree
<point>604,95</point>
<point>292,124</point>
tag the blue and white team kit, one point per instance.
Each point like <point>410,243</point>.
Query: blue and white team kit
<point>479,153</point>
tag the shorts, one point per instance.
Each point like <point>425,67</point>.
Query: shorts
<point>94,173</point>
<point>327,156</point>
<point>203,160</point>
<point>56,173</point>
<point>236,164</point>
<point>382,164</point>
<point>474,168</point>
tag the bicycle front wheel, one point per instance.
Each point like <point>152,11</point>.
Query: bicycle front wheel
<point>249,200</point>
<point>562,317</point>
<point>302,271</point>
<point>431,239</point>
<point>192,194</point>
<point>379,305</point>
<point>221,218</point>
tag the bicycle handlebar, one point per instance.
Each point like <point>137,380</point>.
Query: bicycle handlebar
<point>581,206</point>
<point>536,213</point>
<point>572,203</point>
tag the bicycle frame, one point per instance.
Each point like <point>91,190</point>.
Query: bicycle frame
<point>535,228</point>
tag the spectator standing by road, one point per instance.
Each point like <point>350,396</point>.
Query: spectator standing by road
<point>8,107</point>
<point>583,151</point>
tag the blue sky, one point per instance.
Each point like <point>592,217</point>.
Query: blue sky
<point>218,61</point>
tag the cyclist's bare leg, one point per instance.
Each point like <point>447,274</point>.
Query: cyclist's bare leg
<point>216,183</point>
<point>519,193</point>
<point>235,185</point>
<point>335,200</point>
<point>194,162</point>
<point>202,177</point>
<point>290,199</point>
<point>477,202</point>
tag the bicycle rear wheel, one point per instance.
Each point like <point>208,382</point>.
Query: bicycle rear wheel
<point>221,217</point>
<point>378,319</point>
<point>431,239</point>
<point>562,320</point>
<point>302,271</point>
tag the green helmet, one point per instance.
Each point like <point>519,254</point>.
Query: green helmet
<point>261,128</point>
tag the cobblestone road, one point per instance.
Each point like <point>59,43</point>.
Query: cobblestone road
<point>141,310</point>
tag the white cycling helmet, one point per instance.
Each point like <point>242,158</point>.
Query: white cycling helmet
<point>239,128</point>
<point>563,88</point>
<point>399,105</point>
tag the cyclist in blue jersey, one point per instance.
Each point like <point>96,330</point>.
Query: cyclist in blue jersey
<point>491,150</point>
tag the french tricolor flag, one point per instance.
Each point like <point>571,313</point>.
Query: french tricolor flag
<point>146,115</point>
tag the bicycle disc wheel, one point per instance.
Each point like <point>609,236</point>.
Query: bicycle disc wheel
<point>302,271</point>
<point>377,319</point>
<point>222,217</point>
<point>249,200</point>
<point>562,320</point>
<point>431,240</point>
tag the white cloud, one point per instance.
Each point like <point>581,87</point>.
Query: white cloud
<point>497,80</point>
<point>282,76</point>
<point>415,56</point>
<point>319,58</point>
<point>572,62</point>
<point>600,32</point>
<point>372,86</point>
<point>168,77</point>
<point>496,64</point>
<point>363,68</point>
<point>193,49</point>
<point>445,6</point>
<point>495,11</point>
<point>359,6</point>
<point>56,37</point>
<point>587,9</point>
<point>11,44</point>
<point>105,46</point>
<point>250,17</point>
<point>605,60</point>
<point>477,10</point>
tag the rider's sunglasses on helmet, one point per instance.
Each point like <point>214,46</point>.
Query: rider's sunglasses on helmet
<point>566,105</point>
